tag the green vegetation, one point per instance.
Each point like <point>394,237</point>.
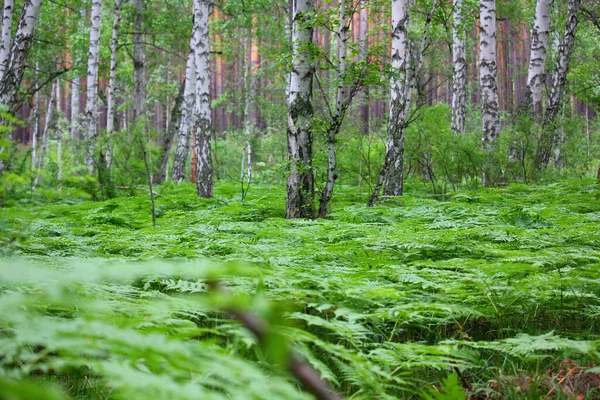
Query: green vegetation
<point>494,290</point>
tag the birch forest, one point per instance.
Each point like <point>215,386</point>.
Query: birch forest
<point>328,199</point>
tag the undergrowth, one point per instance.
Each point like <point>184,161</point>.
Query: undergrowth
<point>488,286</point>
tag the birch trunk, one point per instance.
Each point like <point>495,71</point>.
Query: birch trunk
<point>48,121</point>
<point>300,182</point>
<point>487,78</point>
<point>139,55</point>
<point>341,104</point>
<point>36,123</point>
<point>15,66</point>
<point>406,70</point>
<point>400,100</point>
<point>59,143</point>
<point>459,61</point>
<point>172,125</point>
<point>549,138</point>
<point>91,109</point>
<point>202,117</point>
<point>5,43</point>
<point>364,46</point>
<point>536,76</point>
<point>187,115</point>
<point>112,79</point>
<point>75,93</point>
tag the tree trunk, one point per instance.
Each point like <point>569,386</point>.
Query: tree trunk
<point>112,80</point>
<point>549,138</point>
<point>13,74</point>
<point>173,125</point>
<point>35,112</point>
<point>202,117</point>
<point>487,78</point>
<point>91,109</point>
<point>59,143</point>
<point>300,182</point>
<point>250,111</point>
<point>139,55</point>
<point>48,121</point>
<point>5,40</point>
<point>459,61</point>
<point>364,46</point>
<point>400,99</point>
<point>187,116</point>
<point>536,76</point>
<point>341,104</point>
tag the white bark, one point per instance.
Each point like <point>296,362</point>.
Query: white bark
<point>91,109</point>
<point>46,132</point>
<point>459,61</point>
<point>400,99</point>
<point>139,58</point>
<point>487,72</point>
<point>59,171</point>
<point>112,80</point>
<point>341,104</point>
<point>549,137</point>
<point>13,74</point>
<point>35,130</point>
<point>6,39</point>
<point>202,115</point>
<point>187,115</point>
<point>536,76</point>
<point>75,92</point>
<point>300,182</point>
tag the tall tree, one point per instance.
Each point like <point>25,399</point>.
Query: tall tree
<point>5,40</point>
<point>139,59</point>
<point>91,104</point>
<point>536,76</point>
<point>202,113</point>
<point>187,115</point>
<point>300,181</point>
<point>549,137</point>
<point>21,43</point>
<point>46,132</point>
<point>487,77</point>
<point>459,61</point>
<point>167,142</point>
<point>112,80</point>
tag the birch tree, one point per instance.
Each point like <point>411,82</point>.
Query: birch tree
<point>343,99</point>
<point>139,56</point>
<point>21,43</point>
<point>405,67</point>
<point>459,61</point>
<point>202,114</point>
<point>167,143</point>
<point>536,75</point>
<point>5,40</point>
<point>300,181</point>
<point>187,115</point>
<point>91,109</point>
<point>549,137</point>
<point>46,132</point>
<point>487,77</point>
<point>112,80</point>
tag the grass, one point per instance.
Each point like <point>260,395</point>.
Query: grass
<point>383,301</point>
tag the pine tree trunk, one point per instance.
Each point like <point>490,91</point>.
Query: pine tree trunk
<point>13,74</point>
<point>549,138</point>
<point>139,56</point>
<point>536,76</point>
<point>202,117</point>
<point>5,40</point>
<point>300,182</point>
<point>187,116</point>
<point>487,79</point>
<point>459,61</point>
<point>112,80</point>
<point>91,109</point>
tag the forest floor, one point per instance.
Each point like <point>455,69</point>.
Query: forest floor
<point>495,291</point>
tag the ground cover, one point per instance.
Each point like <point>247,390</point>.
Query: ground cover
<point>494,290</point>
